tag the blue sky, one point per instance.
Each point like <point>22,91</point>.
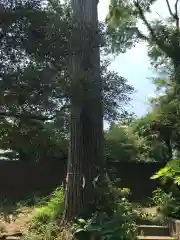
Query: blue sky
<point>134,64</point>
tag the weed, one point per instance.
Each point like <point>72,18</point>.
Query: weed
<point>50,231</point>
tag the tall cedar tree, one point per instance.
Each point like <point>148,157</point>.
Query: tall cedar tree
<point>86,127</point>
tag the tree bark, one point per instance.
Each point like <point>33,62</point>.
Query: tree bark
<point>177,77</point>
<point>85,162</point>
<point>170,150</point>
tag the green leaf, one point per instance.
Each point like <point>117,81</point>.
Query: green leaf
<point>79,230</point>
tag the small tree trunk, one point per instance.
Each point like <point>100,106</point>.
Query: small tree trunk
<point>177,77</point>
<point>169,147</point>
<point>85,161</point>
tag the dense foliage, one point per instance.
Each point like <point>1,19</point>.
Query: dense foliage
<point>35,79</point>
<point>35,86</point>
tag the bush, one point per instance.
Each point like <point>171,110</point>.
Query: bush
<point>50,210</point>
<point>167,204</point>
<point>120,225</point>
<point>109,200</point>
<point>161,198</point>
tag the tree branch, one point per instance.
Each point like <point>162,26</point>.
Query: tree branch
<point>169,8</point>
<point>176,14</point>
<point>142,36</point>
<point>151,31</point>
<point>176,7</point>
<point>33,116</point>
<point>29,116</point>
<point>142,16</point>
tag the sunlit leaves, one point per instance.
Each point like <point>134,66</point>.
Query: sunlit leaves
<point>122,28</point>
<point>170,171</point>
<point>122,22</point>
<point>124,31</point>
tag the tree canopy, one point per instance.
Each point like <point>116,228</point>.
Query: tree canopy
<point>35,76</point>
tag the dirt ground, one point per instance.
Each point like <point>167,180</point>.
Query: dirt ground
<point>150,210</point>
<point>14,219</point>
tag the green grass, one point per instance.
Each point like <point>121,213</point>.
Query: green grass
<point>43,224</point>
<point>50,210</point>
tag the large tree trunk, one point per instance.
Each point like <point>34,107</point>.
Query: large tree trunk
<point>85,161</point>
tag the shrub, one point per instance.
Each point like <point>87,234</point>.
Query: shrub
<point>114,217</point>
<point>161,198</point>
<point>166,202</point>
<point>120,225</point>
<point>109,200</point>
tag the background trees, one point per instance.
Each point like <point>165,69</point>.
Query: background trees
<point>160,128</point>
